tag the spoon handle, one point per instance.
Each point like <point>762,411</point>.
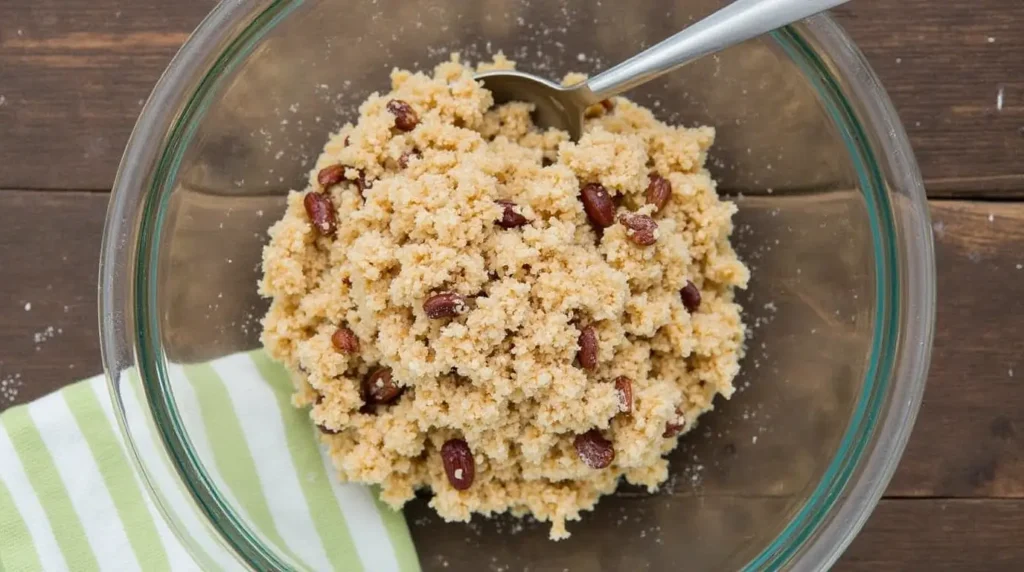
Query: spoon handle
<point>735,23</point>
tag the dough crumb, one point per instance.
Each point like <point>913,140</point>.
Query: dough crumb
<point>437,194</point>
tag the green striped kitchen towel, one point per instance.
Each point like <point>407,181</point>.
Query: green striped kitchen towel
<point>70,498</point>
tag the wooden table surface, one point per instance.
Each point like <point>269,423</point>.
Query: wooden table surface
<point>74,74</point>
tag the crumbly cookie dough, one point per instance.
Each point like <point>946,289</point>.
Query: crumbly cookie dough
<point>417,202</point>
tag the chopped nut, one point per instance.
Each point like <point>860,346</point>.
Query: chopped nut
<point>380,389</point>
<point>444,305</point>
<point>691,297</point>
<point>326,430</point>
<point>598,204</point>
<point>598,109</point>
<point>643,228</point>
<point>594,450</point>
<point>624,388</point>
<point>588,348</point>
<point>345,341</point>
<point>659,190</point>
<point>674,427</point>
<point>331,175</point>
<point>321,213</point>
<point>458,463</point>
<point>509,217</point>
<point>403,160</point>
<point>362,183</point>
<point>405,117</point>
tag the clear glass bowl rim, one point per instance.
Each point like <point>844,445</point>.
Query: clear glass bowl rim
<point>862,467</point>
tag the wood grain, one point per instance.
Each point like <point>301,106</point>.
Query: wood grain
<point>976,535</point>
<point>82,69</point>
<point>49,247</point>
<point>944,65</point>
<point>977,360</point>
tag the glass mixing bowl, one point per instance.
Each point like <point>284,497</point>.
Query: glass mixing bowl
<point>832,220</point>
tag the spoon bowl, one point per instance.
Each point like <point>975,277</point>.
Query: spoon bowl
<point>555,105</point>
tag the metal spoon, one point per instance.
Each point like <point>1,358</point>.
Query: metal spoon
<point>563,107</point>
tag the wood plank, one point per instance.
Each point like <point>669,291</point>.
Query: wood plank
<point>73,76</point>
<point>49,248</point>
<point>944,65</point>
<point>969,438</point>
<point>903,534</point>
<point>81,68</point>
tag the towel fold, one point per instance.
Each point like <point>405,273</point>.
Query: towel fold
<point>70,498</point>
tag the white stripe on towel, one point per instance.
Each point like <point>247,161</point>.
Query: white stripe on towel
<point>367,529</point>
<point>83,482</point>
<point>167,483</point>
<point>27,503</point>
<point>178,558</point>
<point>260,417</point>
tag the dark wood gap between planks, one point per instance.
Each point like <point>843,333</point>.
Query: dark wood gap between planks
<point>980,196</point>
<point>979,535</point>
<point>901,497</point>
<point>55,193</point>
